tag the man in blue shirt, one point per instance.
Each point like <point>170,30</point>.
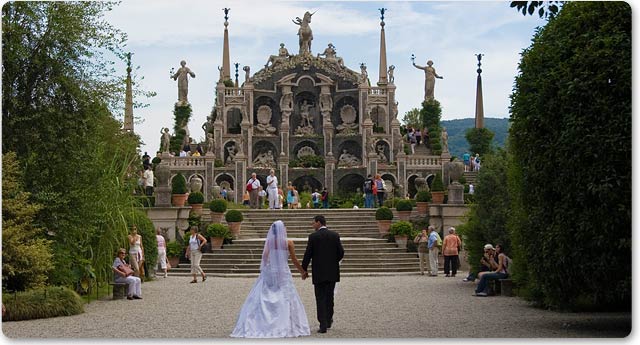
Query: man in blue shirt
<point>466,157</point>
<point>433,251</point>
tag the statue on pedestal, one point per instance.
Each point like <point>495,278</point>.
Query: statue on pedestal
<point>306,122</point>
<point>283,55</point>
<point>330,54</point>
<point>430,76</point>
<point>210,143</point>
<point>346,159</point>
<point>305,35</point>
<point>182,76</point>
<point>165,139</point>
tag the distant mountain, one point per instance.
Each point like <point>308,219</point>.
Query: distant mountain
<point>457,128</point>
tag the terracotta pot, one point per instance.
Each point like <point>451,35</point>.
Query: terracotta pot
<point>404,215</point>
<point>178,200</point>
<point>216,217</point>
<point>235,229</point>
<point>401,241</point>
<point>196,209</point>
<point>216,242</point>
<point>437,197</point>
<point>174,261</point>
<point>383,227</point>
<point>422,207</point>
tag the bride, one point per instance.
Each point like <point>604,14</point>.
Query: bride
<point>273,308</point>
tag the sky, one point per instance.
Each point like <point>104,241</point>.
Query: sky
<point>161,33</point>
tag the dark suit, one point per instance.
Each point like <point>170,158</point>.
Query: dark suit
<point>325,250</point>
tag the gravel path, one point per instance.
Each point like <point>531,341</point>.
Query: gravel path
<point>366,307</point>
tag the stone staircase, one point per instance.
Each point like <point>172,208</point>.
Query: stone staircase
<point>365,252</point>
<point>471,177</point>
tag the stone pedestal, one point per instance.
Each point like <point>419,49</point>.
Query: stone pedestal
<point>163,196</point>
<point>456,194</point>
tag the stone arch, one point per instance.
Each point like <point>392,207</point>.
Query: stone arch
<point>351,183</point>
<point>310,143</point>
<point>341,102</point>
<point>234,119</point>
<point>430,178</point>
<point>379,117</point>
<point>307,183</point>
<point>411,186</point>
<point>227,181</point>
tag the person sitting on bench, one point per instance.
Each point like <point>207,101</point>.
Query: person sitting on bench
<point>501,272</point>
<point>123,274</point>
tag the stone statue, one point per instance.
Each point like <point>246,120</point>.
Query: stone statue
<point>231,150</point>
<point>348,116</point>
<point>391,69</point>
<point>210,143</point>
<point>372,144</point>
<point>306,151</point>
<point>246,70</point>
<point>346,159</point>
<point>283,55</point>
<point>326,103</point>
<point>430,76</point>
<point>286,102</point>
<point>264,127</point>
<point>305,35</point>
<point>330,54</point>
<point>183,82</point>
<point>221,74</point>
<point>265,160</point>
<point>363,73</point>
<point>165,139</point>
<point>306,122</point>
<point>382,157</point>
<point>445,140</point>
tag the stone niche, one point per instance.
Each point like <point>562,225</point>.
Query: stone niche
<point>266,117</point>
<point>230,150</point>
<point>265,155</point>
<point>382,151</point>
<point>345,116</point>
<point>349,154</point>
<point>234,119</point>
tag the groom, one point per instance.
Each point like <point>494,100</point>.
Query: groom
<point>325,250</point>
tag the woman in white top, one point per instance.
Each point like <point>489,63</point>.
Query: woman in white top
<point>136,251</point>
<point>273,308</point>
<point>194,253</point>
<point>162,251</point>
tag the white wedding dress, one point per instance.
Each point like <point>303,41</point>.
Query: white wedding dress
<point>273,308</point>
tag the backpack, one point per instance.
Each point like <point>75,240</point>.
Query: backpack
<point>314,197</point>
<point>438,240</point>
<point>367,186</point>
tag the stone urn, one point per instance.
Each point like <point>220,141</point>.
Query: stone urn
<point>401,241</point>
<point>383,227</point>
<point>456,169</point>
<point>404,215</point>
<point>235,229</point>
<point>196,184</point>
<point>163,174</point>
<point>216,242</point>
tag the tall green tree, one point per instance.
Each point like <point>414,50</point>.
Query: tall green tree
<point>479,140</point>
<point>412,118</point>
<point>60,92</point>
<point>571,143</point>
<point>430,115</point>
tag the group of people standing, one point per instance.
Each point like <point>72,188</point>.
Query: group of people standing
<point>374,189</point>
<point>471,163</point>
<point>429,243</point>
<point>255,195</point>
<point>415,137</point>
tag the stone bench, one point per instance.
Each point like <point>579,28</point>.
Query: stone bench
<point>119,290</point>
<point>503,287</point>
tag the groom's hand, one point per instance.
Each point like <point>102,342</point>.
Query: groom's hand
<point>304,275</point>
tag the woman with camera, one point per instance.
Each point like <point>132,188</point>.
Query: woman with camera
<point>421,240</point>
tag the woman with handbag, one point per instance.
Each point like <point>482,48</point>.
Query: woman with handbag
<point>194,253</point>
<point>122,273</point>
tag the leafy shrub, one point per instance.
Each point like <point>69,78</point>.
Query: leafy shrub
<point>462,180</point>
<point>308,162</point>
<point>401,228</point>
<point>179,184</point>
<point>437,185</point>
<point>194,220</point>
<point>42,303</point>
<point>218,205</point>
<point>218,230</point>
<point>423,196</point>
<point>404,205</point>
<point>233,216</point>
<point>174,249</point>
<point>218,163</point>
<point>384,213</point>
<point>196,198</point>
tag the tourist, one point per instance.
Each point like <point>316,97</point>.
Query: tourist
<point>296,197</point>
<point>252,188</point>
<point>432,244</point>
<point>136,251</point>
<point>223,193</point>
<point>325,198</point>
<point>290,198</point>
<point>368,192</point>
<point>141,187</point>
<point>418,136</point>
<point>146,160</point>
<point>315,198</point>
<point>183,153</point>
<point>380,187</point>
<point>148,181</point>
<point>122,275</point>
<point>450,247</point>
<point>465,158</point>
<point>272,188</point>
<point>412,140</point>
<point>476,165</point>
<point>162,252</point>
<point>245,198</point>
<point>194,253</point>
<point>422,240</point>
<point>195,154</point>
<point>261,197</point>
<point>471,189</point>
<point>501,272</point>
<point>425,137</point>
<point>199,150</point>
<point>280,199</point>
<point>488,262</point>
<point>273,308</point>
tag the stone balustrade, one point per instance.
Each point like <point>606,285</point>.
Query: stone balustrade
<point>377,91</point>
<point>421,162</point>
<point>192,163</point>
<point>233,91</point>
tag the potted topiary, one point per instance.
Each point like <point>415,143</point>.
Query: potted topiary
<point>234,219</point>
<point>217,233</point>
<point>404,207</point>
<point>196,199</point>
<point>217,207</point>
<point>384,215</point>
<point>400,232</point>
<point>437,189</point>
<point>174,251</point>
<point>422,202</point>
<point>178,190</point>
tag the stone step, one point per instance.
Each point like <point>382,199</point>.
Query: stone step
<point>186,271</point>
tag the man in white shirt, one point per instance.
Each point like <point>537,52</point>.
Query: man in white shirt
<point>148,181</point>
<point>253,191</point>
<point>272,190</point>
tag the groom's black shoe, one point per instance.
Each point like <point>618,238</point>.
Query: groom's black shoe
<point>322,330</point>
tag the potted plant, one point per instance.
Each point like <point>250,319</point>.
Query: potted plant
<point>384,215</point>
<point>404,207</point>
<point>178,190</point>
<point>437,189</point>
<point>217,207</point>
<point>422,202</point>
<point>234,219</point>
<point>400,232</point>
<point>217,233</point>
<point>174,251</point>
<point>196,199</point>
